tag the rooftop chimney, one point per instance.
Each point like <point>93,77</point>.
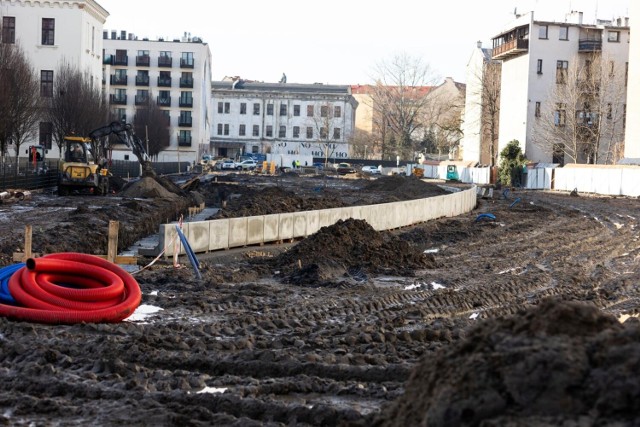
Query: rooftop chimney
<point>479,44</point>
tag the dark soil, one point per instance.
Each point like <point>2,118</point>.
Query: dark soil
<point>456,321</point>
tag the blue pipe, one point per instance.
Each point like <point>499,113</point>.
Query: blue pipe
<point>515,202</point>
<point>189,251</point>
<point>486,215</point>
<point>5,275</point>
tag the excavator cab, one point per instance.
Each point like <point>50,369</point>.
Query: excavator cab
<point>78,172</point>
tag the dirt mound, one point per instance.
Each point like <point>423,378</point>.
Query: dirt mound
<point>557,363</point>
<point>405,187</point>
<point>148,188</point>
<point>349,249</point>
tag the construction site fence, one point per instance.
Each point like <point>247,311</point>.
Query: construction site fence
<point>605,180</point>
<point>212,235</point>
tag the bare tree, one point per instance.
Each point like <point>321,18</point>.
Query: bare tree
<point>77,106</point>
<point>151,125</point>
<point>362,145</point>
<point>399,103</point>
<point>582,119</point>
<point>326,131</point>
<point>443,116</point>
<point>20,100</point>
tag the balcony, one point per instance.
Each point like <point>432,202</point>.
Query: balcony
<point>107,60</point>
<point>118,99</point>
<point>118,80</point>
<point>186,82</point>
<point>186,102</point>
<point>164,81</point>
<point>184,140</point>
<point>143,61</point>
<point>589,45</point>
<point>142,99</point>
<point>165,61</point>
<point>142,80</point>
<point>164,102</point>
<point>510,49</point>
<point>186,63</point>
<point>185,122</point>
<point>120,60</point>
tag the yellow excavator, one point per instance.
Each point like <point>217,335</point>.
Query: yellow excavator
<point>83,171</point>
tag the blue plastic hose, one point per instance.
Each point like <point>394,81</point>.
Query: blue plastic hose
<point>189,251</point>
<point>5,275</point>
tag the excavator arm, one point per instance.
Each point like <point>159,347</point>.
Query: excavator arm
<point>124,133</point>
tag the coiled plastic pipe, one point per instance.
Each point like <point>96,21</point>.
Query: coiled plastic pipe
<point>71,288</point>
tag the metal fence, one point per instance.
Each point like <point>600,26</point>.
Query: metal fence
<point>24,175</point>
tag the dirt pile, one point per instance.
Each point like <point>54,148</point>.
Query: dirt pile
<point>349,249</point>
<point>147,188</point>
<point>404,187</point>
<point>557,363</point>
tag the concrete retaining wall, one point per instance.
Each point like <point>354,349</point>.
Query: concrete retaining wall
<point>205,236</point>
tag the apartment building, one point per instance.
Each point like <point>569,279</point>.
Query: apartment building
<point>281,118</point>
<point>632,133</point>
<point>175,73</point>
<point>539,58</point>
<point>480,125</point>
<point>49,33</point>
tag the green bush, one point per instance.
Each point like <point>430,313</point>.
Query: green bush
<point>512,162</point>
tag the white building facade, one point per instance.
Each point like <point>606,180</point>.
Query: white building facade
<point>281,118</point>
<point>632,134</point>
<point>533,54</point>
<point>52,32</point>
<point>175,73</point>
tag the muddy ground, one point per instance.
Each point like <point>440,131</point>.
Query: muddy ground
<point>459,321</point>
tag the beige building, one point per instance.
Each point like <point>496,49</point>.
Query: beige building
<point>632,134</point>
<point>444,112</point>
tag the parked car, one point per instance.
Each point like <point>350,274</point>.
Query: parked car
<point>228,164</point>
<point>345,168</point>
<point>373,170</point>
<point>319,166</point>
<point>246,165</point>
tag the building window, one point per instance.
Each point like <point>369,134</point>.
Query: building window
<point>309,110</point>
<point>187,60</point>
<point>558,154</point>
<point>227,107</point>
<point>142,97</point>
<point>184,138</point>
<point>564,33</point>
<point>613,36</point>
<point>336,133</point>
<point>224,107</point>
<point>296,131</point>
<point>48,31</point>
<point>256,130</point>
<point>220,107</point>
<point>219,128</point>
<point>561,71</point>
<point>256,109</point>
<point>46,134</point>
<point>296,110</point>
<point>121,114</point>
<point>242,130</point>
<point>560,115</point>
<point>243,108</point>
<point>323,133</point>
<point>283,109</point>
<point>9,29</point>
<point>46,83</point>
<point>337,111</point>
<point>324,111</point>
<point>537,109</point>
<point>539,68</point>
<point>543,32</point>
<point>609,111</point>
<point>282,133</point>
<point>186,99</point>
<point>269,131</point>
<point>309,132</point>
<point>269,109</point>
<point>185,118</point>
<point>226,129</point>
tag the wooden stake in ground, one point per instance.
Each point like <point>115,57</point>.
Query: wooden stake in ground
<point>112,248</point>
<point>27,241</point>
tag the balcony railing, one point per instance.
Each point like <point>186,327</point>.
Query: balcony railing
<point>164,81</point>
<point>184,102</point>
<point>185,122</point>
<point>142,99</point>
<point>186,63</point>
<point>186,82</point>
<point>121,60</point>
<point>184,140</point>
<point>143,61</point>
<point>142,80</point>
<point>118,99</point>
<point>164,102</point>
<point>511,48</point>
<point>165,61</point>
<point>118,80</point>
<point>589,45</point>
<point>107,60</point>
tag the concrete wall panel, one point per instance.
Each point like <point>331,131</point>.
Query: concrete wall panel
<point>218,234</point>
<point>237,232</point>
<point>271,228</point>
<point>313,222</point>
<point>300,224</point>
<point>197,235</point>
<point>285,231</point>
<point>255,230</point>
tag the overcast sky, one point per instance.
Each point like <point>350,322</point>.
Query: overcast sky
<point>337,41</point>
